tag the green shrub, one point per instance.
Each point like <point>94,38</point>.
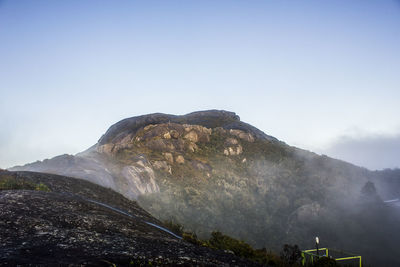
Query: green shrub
<point>192,238</point>
<point>42,187</point>
<point>224,242</point>
<point>9,182</point>
<point>291,254</point>
<point>174,227</point>
<point>266,257</point>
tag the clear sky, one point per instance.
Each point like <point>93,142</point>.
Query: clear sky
<point>320,75</point>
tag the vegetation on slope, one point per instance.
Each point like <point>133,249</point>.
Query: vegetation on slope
<point>240,248</point>
<point>11,182</point>
<point>289,256</point>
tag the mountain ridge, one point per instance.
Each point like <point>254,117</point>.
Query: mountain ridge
<point>208,118</point>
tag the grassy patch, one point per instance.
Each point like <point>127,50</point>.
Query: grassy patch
<point>9,182</point>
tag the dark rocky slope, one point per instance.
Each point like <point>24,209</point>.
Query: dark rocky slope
<point>64,227</point>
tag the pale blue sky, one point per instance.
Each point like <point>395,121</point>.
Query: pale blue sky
<point>306,72</point>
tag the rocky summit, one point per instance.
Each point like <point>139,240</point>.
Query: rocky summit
<point>154,142</point>
<point>210,171</point>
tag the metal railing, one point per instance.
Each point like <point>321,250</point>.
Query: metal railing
<point>313,256</point>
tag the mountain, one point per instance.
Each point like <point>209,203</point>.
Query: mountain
<point>68,221</point>
<point>210,171</point>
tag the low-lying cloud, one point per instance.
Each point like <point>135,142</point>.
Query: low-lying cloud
<point>373,152</point>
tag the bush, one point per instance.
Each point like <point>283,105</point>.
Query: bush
<point>291,254</point>
<point>224,242</point>
<point>192,238</point>
<point>267,257</point>
<point>9,182</point>
<point>42,187</point>
<point>176,228</point>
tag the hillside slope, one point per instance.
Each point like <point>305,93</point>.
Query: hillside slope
<point>74,222</point>
<point>208,170</point>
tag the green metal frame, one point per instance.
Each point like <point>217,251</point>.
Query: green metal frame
<point>312,255</point>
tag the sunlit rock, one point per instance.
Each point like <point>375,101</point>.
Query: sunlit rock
<point>180,159</point>
<point>139,180</point>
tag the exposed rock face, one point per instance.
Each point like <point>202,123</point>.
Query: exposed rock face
<point>141,179</point>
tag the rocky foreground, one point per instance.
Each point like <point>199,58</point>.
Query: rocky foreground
<point>78,223</point>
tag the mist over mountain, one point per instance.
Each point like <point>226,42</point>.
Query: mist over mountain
<point>210,171</point>
<point>376,152</point>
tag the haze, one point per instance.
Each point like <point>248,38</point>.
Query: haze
<point>319,75</point>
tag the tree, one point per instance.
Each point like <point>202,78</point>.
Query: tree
<point>291,254</point>
<point>369,193</point>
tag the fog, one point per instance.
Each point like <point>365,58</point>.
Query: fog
<point>374,152</point>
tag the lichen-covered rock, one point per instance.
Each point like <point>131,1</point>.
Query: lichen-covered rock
<point>239,150</point>
<point>231,141</point>
<point>226,152</point>
<point>162,165</point>
<point>242,135</point>
<point>233,150</point>
<point>197,133</point>
<point>192,136</point>
<point>167,135</point>
<point>160,145</point>
<point>192,147</point>
<point>174,134</point>
<point>169,157</point>
<point>180,159</point>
